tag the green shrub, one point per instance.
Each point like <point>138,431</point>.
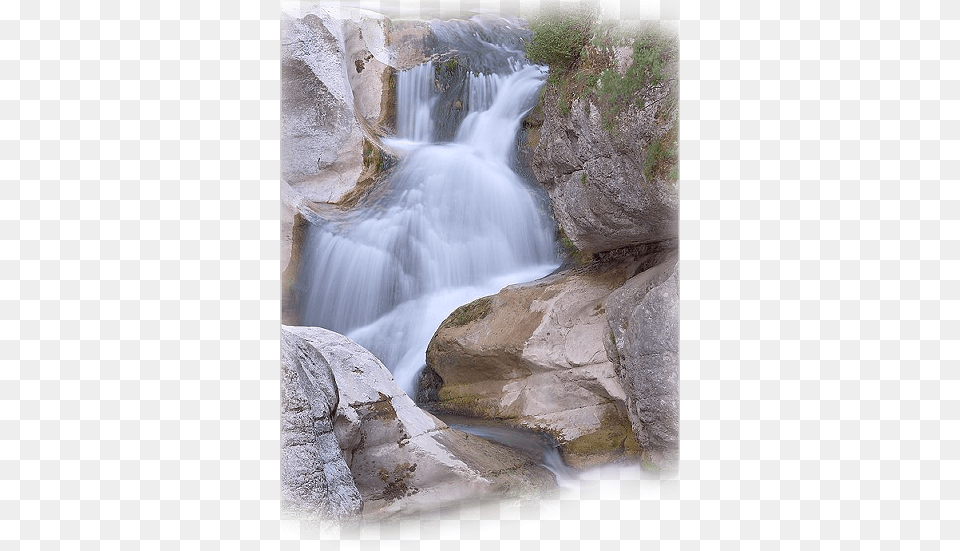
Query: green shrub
<point>661,157</point>
<point>558,38</point>
<point>650,51</point>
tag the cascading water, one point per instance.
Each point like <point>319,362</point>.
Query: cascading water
<point>457,223</point>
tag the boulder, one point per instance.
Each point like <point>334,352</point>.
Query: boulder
<point>322,139</point>
<point>316,482</point>
<point>643,338</point>
<point>404,460</point>
<point>533,356</point>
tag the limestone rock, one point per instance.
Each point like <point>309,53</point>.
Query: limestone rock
<point>643,323</point>
<point>403,459</point>
<point>533,356</point>
<point>316,482</point>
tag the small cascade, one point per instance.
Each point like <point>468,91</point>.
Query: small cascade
<point>457,223</point>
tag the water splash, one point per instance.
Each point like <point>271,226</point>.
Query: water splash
<point>457,223</point>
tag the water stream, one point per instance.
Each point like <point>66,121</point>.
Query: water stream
<point>455,224</point>
<point>536,446</point>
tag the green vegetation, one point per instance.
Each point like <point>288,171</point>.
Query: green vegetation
<point>579,257</point>
<point>661,160</point>
<point>651,51</point>
<point>451,64</point>
<point>559,37</point>
<point>372,156</point>
<point>581,53</point>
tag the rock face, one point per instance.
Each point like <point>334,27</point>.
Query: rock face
<point>607,171</point>
<point>334,71</point>
<point>403,459</point>
<point>533,356</point>
<point>316,482</point>
<point>595,181</point>
<point>593,167</point>
<point>643,340</point>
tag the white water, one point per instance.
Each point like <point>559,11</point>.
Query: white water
<point>457,224</point>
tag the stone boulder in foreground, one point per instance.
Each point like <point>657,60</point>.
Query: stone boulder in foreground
<point>533,356</point>
<point>404,460</point>
<point>316,482</point>
<point>541,355</point>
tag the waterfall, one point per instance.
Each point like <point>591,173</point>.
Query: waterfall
<point>457,223</point>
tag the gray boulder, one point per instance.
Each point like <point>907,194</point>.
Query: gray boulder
<point>316,482</point>
<point>643,336</point>
<point>589,152</point>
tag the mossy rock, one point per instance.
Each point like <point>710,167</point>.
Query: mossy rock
<point>468,405</point>
<point>613,440</point>
<point>469,313</point>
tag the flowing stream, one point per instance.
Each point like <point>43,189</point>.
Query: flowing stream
<point>455,224</point>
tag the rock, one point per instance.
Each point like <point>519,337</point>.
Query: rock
<point>594,170</point>
<point>322,138</point>
<point>533,356</point>
<point>337,69</point>
<point>316,482</point>
<point>600,197</point>
<point>643,341</point>
<point>403,459</point>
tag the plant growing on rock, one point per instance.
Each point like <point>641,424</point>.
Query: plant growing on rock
<point>559,38</point>
<point>582,56</point>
